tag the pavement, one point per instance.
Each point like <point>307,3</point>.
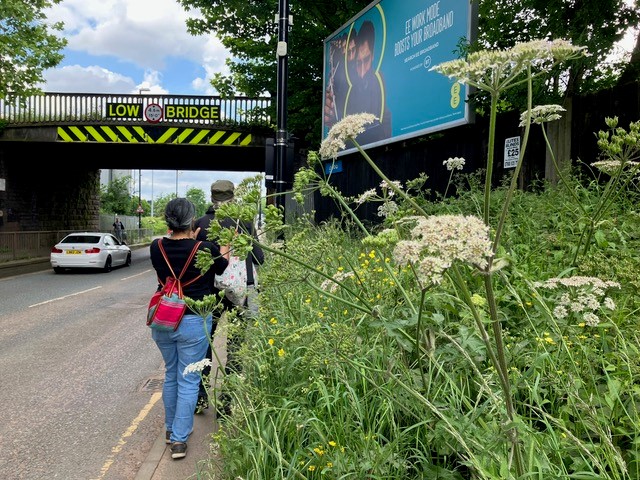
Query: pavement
<point>158,464</point>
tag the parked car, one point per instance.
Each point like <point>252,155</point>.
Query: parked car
<point>89,250</point>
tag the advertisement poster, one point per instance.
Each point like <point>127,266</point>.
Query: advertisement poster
<point>380,61</point>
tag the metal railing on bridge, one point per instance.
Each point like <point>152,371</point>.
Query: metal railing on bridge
<point>86,108</point>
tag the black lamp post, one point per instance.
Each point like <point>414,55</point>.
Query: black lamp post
<point>139,198</point>
<point>281,141</point>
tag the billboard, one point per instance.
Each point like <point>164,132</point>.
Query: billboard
<point>379,63</point>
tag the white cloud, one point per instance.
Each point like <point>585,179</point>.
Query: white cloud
<point>121,39</point>
<point>163,182</point>
<point>92,79</point>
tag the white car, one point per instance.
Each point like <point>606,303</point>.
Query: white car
<point>89,250</point>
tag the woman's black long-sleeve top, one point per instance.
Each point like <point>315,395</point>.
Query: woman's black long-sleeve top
<point>178,252</point>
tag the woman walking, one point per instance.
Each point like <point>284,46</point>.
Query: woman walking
<point>188,344</point>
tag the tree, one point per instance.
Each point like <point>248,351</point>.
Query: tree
<point>197,197</point>
<point>28,46</point>
<point>160,203</point>
<point>247,30</point>
<point>595,24</point>
<point>115,198</point>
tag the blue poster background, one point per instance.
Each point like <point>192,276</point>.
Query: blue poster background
<point>411,36</point>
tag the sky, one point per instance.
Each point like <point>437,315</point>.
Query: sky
<point>122,46</point>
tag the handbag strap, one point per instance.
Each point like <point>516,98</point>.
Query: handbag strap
<point>186,265</point>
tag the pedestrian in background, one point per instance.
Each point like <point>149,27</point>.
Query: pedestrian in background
<point>118,229</point>
<point>188,344</point>
<point>223,191</point>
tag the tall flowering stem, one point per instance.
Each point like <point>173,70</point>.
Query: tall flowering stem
<point>348,129</point>
<point>452,165</point>
<point>540,115</point>
<point>495,72</point>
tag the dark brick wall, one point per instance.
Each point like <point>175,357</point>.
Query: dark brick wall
<point>59,196</point>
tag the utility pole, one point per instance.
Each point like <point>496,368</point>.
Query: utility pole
<point>281,141</point>
<point>139,198</point>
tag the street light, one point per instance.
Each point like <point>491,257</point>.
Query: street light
<point>144,89</point>
<point>139,198</point>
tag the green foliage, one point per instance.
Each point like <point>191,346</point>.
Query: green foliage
<point>197,197</point>
<point>28,46</point>
<point>333,385</point>
<point>160,203</point>
<point>116,198</point>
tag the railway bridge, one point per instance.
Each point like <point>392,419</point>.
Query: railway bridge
<point>53,146</point>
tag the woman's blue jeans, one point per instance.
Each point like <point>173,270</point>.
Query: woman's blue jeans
<point>188,344</point>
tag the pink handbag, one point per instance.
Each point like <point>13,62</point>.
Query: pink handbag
<point>167,306</point>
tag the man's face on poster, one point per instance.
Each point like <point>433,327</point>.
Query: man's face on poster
<point>364,58</point>
<point>351,50</point>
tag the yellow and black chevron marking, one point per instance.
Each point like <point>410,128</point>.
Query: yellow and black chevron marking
<point>152,134</point>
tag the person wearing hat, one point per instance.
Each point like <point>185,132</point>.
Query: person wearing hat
<point>222,191</point>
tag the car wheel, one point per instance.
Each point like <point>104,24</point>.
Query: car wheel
<point>58,269</point>
<point>128,262</point>
<point>107,264</point>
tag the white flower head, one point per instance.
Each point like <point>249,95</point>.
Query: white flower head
<point>591,319</point>
<point>388,209</point>
<point>366,196</point>
<point>454,163</point>
<point>348,128</point>
<point>439,240</point>
<point>331,286</point>
<point>495,70</point>
<point>541,114</point>
<point>196,367</point>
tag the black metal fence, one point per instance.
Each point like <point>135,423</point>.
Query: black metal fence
<point>84,108</point>
<point>15,246</point>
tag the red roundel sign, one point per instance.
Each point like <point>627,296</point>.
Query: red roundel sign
<point>153,113</point>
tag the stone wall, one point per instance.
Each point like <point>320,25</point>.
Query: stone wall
<point>61,195</point>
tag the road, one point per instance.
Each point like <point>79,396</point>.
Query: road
<point>80,377</point>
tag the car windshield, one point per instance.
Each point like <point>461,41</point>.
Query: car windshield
<point>81,239</point>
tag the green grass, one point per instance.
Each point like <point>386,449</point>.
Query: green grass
<point>355,382</point>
